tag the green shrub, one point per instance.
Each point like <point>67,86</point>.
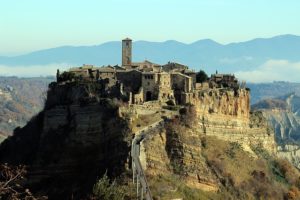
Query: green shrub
<point>105,190</point>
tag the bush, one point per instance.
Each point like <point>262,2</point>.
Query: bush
<point>66,76</point>
<point>201,76</point>
<point>233,147</point>
<point>105,190</point>
<point>288,171</point>
<point>188,115</point>
<point>293,194</point>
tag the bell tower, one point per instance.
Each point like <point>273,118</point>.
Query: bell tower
<point>126,52</point>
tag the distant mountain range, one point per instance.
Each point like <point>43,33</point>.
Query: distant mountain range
<point>260,91</point>
<point>203,54</point>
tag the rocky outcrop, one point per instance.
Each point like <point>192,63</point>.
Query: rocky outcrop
<point>248,133</point>
<point>225,113</point>
<point>178,152</point>
<point>69,144</point>
<point>284,119</point>
<point>285,123</point>
<point>223,101</point>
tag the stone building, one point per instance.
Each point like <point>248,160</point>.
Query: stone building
<point>148,81</point>
<point>126,52</point>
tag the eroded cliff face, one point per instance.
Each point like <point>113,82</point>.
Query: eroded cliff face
<point>282,114</point>
<point>285,123</point>
<point>169,152</point>
<point>223,101</point>
<point>225,113</point>
<point>178,149</point>
<point>70,144</point>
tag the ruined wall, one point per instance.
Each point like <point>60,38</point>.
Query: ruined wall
<point>132,80</point>
<point>181,82</point>
<point>104,75</point>
<point>150,86</point>
<point>139,97</point>
<point>165,92</point>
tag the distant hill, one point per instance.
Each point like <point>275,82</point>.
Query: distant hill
<point>260,91</point>
<point>206,54</point>
<point>283,114</point>
<point>21,99</point>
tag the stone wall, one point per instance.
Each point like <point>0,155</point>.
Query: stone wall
<point>132,80</point>
<point>150,86</point>
<point>181,82</point>
<point>165,92</point>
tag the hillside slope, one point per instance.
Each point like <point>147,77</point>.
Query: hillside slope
<point>21,99</point>
<point>261,91</point>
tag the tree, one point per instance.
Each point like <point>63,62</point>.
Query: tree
<point>11,179</point>
<point>201,76</point>
<point>104,189</point>
<point>97,75</point>
<point>91,74</point>
<point>57,75</point>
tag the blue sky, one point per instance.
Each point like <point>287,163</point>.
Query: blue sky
<point>38,24</point>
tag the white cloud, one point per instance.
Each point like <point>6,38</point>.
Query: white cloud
<point>32,71</point>
<point>273,70</point>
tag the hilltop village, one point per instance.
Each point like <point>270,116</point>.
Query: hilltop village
<point>146,81</point>
<point>143,122</point>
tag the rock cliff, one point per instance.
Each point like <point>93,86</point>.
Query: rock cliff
<point>70,143</point>
<point>225,113</point>
<point>81,135</point>
<point>178,147</point>
<point>282,114</point>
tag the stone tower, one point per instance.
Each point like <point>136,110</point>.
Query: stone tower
<point>126,52</point>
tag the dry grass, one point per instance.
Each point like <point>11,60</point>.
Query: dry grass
<point>246,177</point>
<point>169,186</point>
<point>145,120</point>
